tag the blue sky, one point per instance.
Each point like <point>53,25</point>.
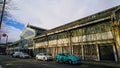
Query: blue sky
<point>49,14</point>
<point>13,23</point>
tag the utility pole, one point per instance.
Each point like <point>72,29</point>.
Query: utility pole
<point>3,8</point>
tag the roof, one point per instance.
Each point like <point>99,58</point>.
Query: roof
<point>36,28</point>
<point>84,20</point>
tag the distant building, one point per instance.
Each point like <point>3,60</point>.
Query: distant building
<point>2,49</point>
<point>27,38</point>
<point>25,44</point>
<point>11,48</point>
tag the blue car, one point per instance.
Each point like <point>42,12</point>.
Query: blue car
<point>67,58</point>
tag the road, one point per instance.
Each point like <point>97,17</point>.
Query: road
<point>9,62</point>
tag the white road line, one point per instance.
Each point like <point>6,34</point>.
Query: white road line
<point>0,66</point>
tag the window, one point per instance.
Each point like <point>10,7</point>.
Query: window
<point>80,32</point>
<point>28,33</point>
<point>62,35</point>
<point>118,15</point>
<point>103,27</point>
<point>52,37</point>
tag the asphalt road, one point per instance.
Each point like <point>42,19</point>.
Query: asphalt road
<point>9,62</point>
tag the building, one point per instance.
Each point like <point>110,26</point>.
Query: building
<point>14,46</point>
<point>27,38</point>
<point>25,44</point>
<point>3,49</point>
<point>95,37</point>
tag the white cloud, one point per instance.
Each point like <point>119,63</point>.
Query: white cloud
<point>13,34</point>
<point>52,13</point>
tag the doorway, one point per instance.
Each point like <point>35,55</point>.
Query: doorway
<point>106,52</point>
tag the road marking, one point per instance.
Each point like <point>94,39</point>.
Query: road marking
<point>0,66</point>
<point>49,65</point>
<point>9,64</point>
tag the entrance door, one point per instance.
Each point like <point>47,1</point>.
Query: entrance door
<point>106,52</point>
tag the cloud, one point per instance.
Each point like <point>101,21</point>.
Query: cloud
<point>13,34</point>
<point>52,13</point>
<point>58,12</point>
<point>11,27</point>
<point>14,23</point>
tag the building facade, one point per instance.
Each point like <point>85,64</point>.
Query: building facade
<point>27,38</point>
<point>96,37</point>
<point>25,44</point>
<point>11,48</point>
<point>2,49</point>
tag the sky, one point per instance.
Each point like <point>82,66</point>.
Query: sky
<point>49,14</point>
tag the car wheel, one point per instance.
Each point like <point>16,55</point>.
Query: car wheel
<point>70,62</point>
<point>23,57</point>
<point>57,60</point>
<point>36,58</point>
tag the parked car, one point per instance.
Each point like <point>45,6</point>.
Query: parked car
<point>24,55</point>
<point>43,56</point>
<point>20,55</point>
<point>16,54</point>
<point>67,58</point>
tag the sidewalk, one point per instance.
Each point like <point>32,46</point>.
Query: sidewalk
<point>105,63</point>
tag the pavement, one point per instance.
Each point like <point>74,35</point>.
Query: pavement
<point>104,63</point>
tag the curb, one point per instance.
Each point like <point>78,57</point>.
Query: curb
<point>103,63</point>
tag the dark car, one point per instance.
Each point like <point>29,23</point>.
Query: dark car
<point>67,58</point>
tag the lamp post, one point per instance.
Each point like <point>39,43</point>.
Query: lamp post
<point>5,35</point>
<point>3,8</point>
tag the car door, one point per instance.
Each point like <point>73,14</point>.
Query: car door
<point>64,57</point>
<point>40,56</point>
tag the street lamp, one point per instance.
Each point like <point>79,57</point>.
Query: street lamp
<point>3,8</point>
<point>5,35</point>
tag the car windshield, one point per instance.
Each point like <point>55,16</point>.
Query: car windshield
<point>44,54</point>
<point>41,54</point>
<point>66,54</point>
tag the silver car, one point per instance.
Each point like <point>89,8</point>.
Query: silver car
<point>20,55</point>
<point>43,56</point>
<point>24,55</point>
<point>16,54</point>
